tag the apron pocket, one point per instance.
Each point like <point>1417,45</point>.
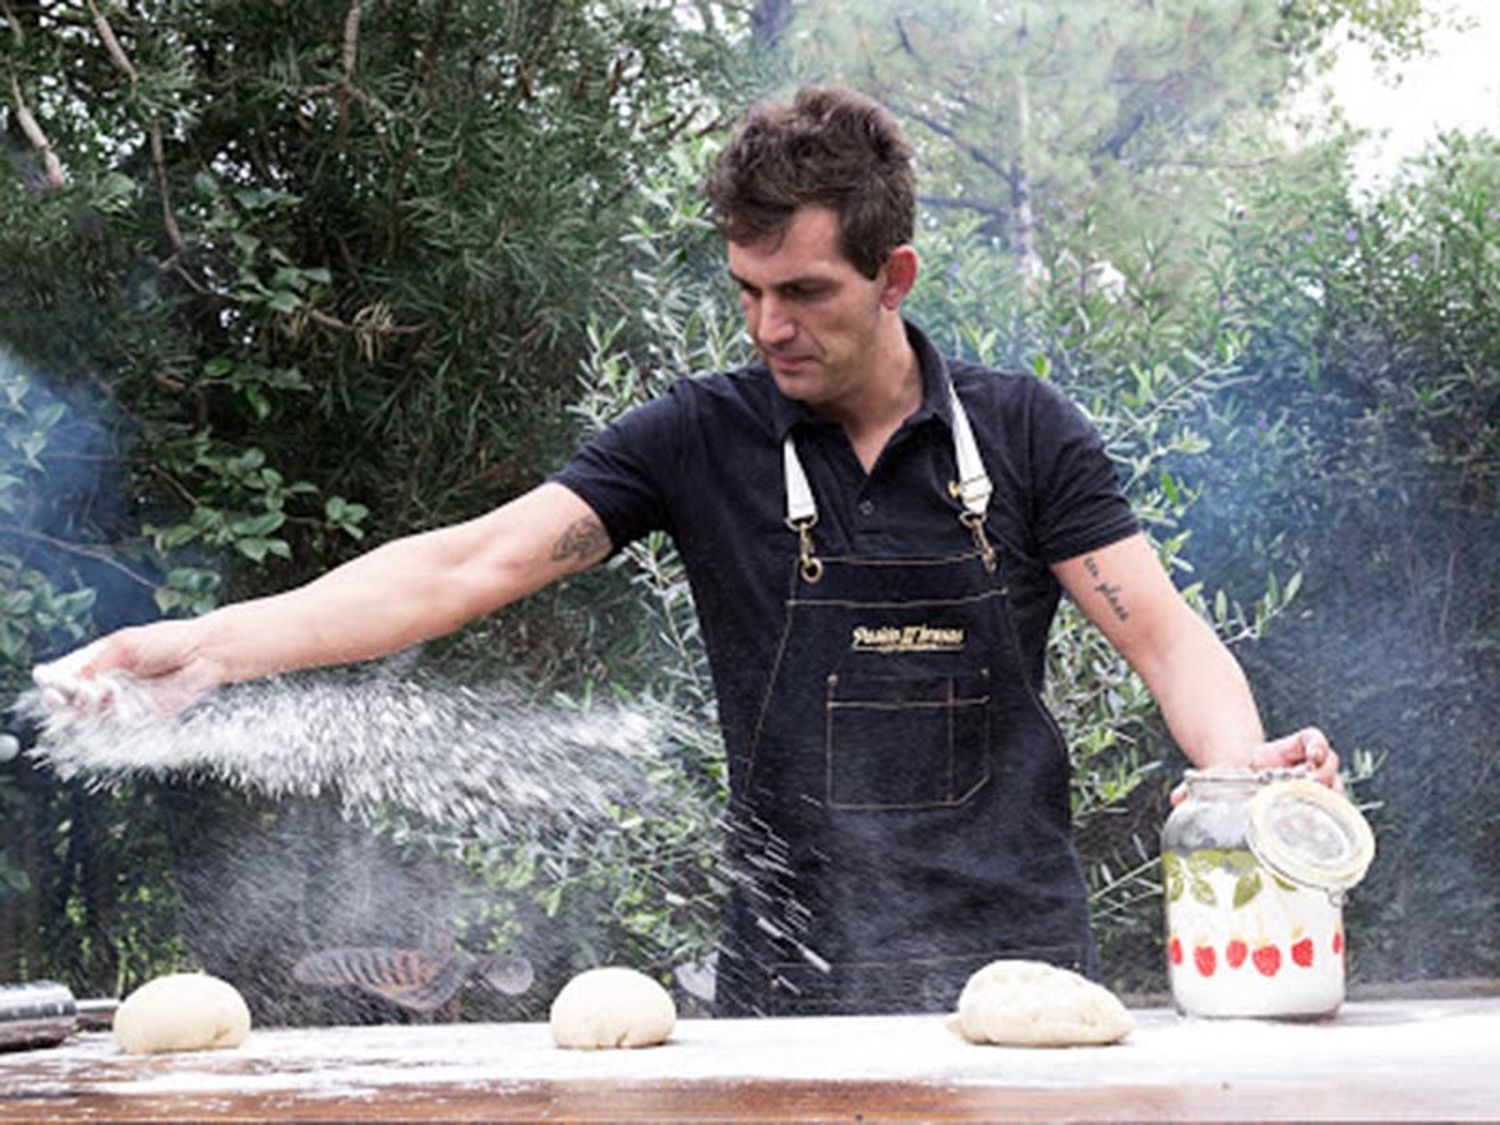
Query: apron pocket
<point>906,742</point>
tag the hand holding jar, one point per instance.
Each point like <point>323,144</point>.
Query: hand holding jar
<point>1308,749</point>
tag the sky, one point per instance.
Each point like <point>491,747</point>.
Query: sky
<point>1457,86</point>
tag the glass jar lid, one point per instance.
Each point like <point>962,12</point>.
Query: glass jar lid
<point>1308,834</point>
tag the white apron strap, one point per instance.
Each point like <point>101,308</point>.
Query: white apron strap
<point>800,506</point>
<point>972,489</point>
<point>973,486</point>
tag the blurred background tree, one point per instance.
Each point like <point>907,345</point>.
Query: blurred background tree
<point>1131,120</point>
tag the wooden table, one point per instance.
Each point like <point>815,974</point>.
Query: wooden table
<point>1395,1059</point>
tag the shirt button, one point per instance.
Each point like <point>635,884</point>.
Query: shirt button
<point>867,507</point>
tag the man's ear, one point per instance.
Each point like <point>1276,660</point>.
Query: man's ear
<point>898,275</point>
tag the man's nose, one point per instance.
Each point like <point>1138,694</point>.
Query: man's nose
<point>776,324</point>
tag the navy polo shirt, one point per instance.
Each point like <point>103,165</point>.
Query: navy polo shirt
<point>704,463</point>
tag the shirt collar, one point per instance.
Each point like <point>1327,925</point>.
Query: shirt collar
<point>786,412</point>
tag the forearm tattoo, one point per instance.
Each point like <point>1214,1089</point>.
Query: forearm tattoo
<point>584,542</point>
<point>1111,594</point>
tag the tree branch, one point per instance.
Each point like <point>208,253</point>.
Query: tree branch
<point>349,58</point>
<point>112,46</point>
<point>435,43</point>
<point>956,204</point>
<point>948,132</point>
<point>52,165</point>
<point>906,43</point>
<point>164,187</point>
<point>123,64</point>
<point>1221,165</point>
<point>80,549</point>
<point>14,20</point>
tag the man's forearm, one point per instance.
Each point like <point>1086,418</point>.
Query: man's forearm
<point>1195,679</point>
<point>407,591</point>
<point>1205,698</point>
<point>1202,692</point>
<point>374,605</point>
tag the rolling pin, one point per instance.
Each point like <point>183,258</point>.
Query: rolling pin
<point>44,1013</point>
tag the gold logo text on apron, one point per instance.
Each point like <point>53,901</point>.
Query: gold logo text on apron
<point>906,638</point>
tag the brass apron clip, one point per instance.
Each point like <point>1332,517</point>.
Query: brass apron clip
<point>975,523</point>
<point>808,561</point>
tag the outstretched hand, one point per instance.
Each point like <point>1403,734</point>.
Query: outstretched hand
<point>135,673</point>
<point>1308,747</point>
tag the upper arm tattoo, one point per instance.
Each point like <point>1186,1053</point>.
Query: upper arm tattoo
<point>584,542</point>
<point>1111,594</point>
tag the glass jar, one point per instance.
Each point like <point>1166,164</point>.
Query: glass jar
<point>1255,864</point>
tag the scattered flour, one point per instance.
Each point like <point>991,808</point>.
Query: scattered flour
<point>477,761</point>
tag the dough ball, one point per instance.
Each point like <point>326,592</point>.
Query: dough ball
<point>182,1012</point>
<point>612,1007</point>
<point>1033,1004</point>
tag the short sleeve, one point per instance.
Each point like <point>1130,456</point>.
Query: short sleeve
<point>1079,504</point>
<point>616,473</point>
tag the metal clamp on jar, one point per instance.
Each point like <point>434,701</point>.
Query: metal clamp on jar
<point>1255,864</point>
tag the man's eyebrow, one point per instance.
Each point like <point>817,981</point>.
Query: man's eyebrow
<point>805,281</point>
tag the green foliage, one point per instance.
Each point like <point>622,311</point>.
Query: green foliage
<point>1366,454</point>
<point>1392,28</point>
<point>303,276</point>
<point>35,613</point>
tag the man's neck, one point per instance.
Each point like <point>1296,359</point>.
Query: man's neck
<point>890,396</point>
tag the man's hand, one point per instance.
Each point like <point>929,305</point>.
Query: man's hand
<point>1308,747</point>
<point>134,673</point>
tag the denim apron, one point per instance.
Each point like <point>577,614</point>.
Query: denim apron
<point>900,817</point>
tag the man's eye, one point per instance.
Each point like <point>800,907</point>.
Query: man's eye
<point>806,292</point>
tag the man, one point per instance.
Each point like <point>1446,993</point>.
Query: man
<point>877,539</point>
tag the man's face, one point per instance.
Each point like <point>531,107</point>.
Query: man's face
<point>810,313</point>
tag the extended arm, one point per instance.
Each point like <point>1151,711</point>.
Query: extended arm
<point>409,590</point>
<point>1200,687</point>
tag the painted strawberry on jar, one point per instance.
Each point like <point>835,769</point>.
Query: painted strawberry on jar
<point>1235,953</point>
<point>1205,960</point>
<point>1302,952</point>
<point>1267,960</point>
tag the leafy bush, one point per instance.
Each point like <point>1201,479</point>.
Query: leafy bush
<point>306,276</point>
<point>1364,451</point>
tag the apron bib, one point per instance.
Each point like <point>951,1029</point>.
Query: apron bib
<point>900,817</point>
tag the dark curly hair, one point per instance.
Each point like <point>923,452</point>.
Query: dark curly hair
<point>831,147</point>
